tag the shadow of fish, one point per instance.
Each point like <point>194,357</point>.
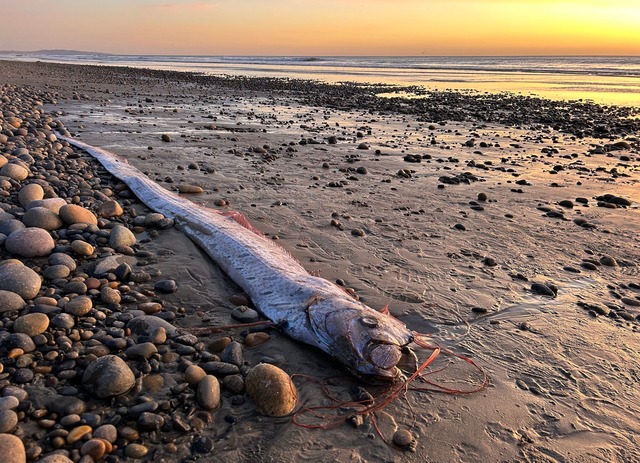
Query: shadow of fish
<point>309,309</point>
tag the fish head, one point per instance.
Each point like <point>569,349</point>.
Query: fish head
<point>367,342</point>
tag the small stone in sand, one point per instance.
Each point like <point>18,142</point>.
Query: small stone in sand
<point>271,389</point>
<point>19,279</point>
<point>403,438</point>
<point>208,394</point>
<point>108,376</point>
<point>30,242</point>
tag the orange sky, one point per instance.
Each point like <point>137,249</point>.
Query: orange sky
<point>326,27</point>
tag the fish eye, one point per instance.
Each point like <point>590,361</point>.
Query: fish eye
<point>371,322</point>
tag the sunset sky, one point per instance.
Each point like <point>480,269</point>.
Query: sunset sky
<point>325,27</point>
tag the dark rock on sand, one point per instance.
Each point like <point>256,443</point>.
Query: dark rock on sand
<point>542,289</point>
<point>108,376</point>
<point>10,301</point>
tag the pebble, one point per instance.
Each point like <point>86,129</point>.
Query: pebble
<point>608,261</point>
<point>95,448</point>
<point>190,189</point>
<point>254,339</point>
<point>109,295</point>
<point>9,301</point>
<point>135,450</point>
<point>65,405</point>
<point>233,383</point>
<point>217,345</point>
<point>539,288</point>
<point>42,217</point>
<point>203,444</point>
<point>31,324</point>
<point>72,214</point>
<point>107,432</point>
<point>30,242</point>
<point>58,258</point>
<point>14,171</point>
<point>194,374</point>
<point>55,458</point>
<point>233,354</point>
<point>79,306</point>
<point>166,286</point>
<point>144,325</point>
<point>271,389</point>
<point>78,433</point>
<point>141,351</point>
<point>53,204</point>
<point>403,438</point>
<point>8,421</point>
<point>108,376</point>
<point>12,449</point>
<point>121,236</point>
<point>82,248</point>
<point>56,272</point>
<point>20,341</point>
<point>9,403</point>
<point>244,314</point>
<point>110,209</point>
<point>208,393</point>
<point>30,192</point>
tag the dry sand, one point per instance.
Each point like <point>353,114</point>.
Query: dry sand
<point>563,379</point>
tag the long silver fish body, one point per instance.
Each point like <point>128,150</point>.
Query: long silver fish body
<point>307,308</point>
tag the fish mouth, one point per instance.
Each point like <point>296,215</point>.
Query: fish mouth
<point>383,357</point>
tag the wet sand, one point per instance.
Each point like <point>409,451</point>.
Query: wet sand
<point>453,221</point>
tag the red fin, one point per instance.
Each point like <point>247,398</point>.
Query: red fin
<point>385,310</point>
<point>315,273</point>
<point>241,219</point>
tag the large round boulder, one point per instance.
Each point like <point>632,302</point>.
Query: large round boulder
<point>108,376</point>
<point>72,213</point>
<point>20,279</point>
<point>41,217</point>
<point>30,242</point>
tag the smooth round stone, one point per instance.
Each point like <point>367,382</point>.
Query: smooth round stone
<point>141,351</point>
<point>121,236</point>
<point>79,306</point>
<point>9,226</point>
<point>20,341</point>
<point>158,336</point>
<point>135,450</point>
<point>8,420</point>
<point>64,321</point>
<point>254,339</point>
<point>608,261</point>
<point>31,324</point>
<point>403,438</point>
<point>12,449</point>
<point>56,272</point>
<point>95,448</point>
<point>194,374</point>
<point>109,295</point>
<point>244,314</point>
<point>107,432</point>
<point>78,287</point>
<point>53,204</point>
<point>20,279</point>
<point>30,192</point>
<point>14,391</point>
<point>233,383</point>
<point>110,209</point>
<point>150,307</point>
<point>10,302</point>
<point>82,248</point>
<point>30,242</point>
<point>108,376</point>
<point>190,189</point>
<point>166,286</point>
<point>9,403</point>
<point>41,217</point>
<point>59,258</point>
<point>65,405</point>
<point>208,393</point>
<point>271,389</point>
<point>232,354</point>
<point>145,324</point>
<point>78,433</point>
<point>55,458</point>
<point>72,213</point>
<point>14,171</point>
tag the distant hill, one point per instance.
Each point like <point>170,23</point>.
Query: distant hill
<point>53,52</point>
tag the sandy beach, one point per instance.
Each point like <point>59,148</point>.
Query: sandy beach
<point>504,227</point>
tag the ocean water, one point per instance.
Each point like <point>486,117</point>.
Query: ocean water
<point>603,79</point>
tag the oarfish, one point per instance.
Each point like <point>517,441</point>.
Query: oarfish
<point>307,308</point>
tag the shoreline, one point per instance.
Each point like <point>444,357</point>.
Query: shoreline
<point>458,223</point>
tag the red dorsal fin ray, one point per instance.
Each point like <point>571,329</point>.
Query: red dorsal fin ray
<point>241,219</point>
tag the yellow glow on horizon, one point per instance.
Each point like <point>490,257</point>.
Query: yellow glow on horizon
<point>330,27</point>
